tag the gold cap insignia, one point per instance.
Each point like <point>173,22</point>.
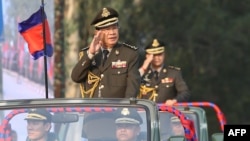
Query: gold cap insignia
<point>125,111</point>
<point>105,12</point>
<point>155,43</point>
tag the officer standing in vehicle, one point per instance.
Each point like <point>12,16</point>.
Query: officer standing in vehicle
<point>161,83</point>
<point>107,68</point>
<point>39,125</point>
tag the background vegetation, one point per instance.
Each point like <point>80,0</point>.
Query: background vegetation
<point>208,39</point>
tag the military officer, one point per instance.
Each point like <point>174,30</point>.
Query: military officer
<point>107,68</point>
<point>128,123</point>
<point>161,83</point>
<point>39,125</point>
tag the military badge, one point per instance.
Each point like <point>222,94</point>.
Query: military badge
<point>119,64</point>
<point>83,63</point>
<point>93,63</point>
<point>155,43</point>
<point>117,52</point>
<point>105,12</point>
<point>146,79</point>
<point>125,111</point>
<point>167,80</point>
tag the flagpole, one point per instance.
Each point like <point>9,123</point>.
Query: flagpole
<point>45,51</point>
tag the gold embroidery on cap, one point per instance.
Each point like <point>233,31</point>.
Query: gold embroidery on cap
<point>155,43</point>
<point>105,12</point>
<point>125,111</point>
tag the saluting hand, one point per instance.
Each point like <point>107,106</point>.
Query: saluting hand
<point>148,60</point>
<point>96,43</point>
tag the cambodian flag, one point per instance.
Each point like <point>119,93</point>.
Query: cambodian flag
<point>32,31</point>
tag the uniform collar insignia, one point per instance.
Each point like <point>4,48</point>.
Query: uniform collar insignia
<point>117,52</point>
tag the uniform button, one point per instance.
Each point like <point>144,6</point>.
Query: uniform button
<point>118,72</point>
<point>167,86</point>
<point>156,86</point>
<point>102,75</point>
<point>102,86</point>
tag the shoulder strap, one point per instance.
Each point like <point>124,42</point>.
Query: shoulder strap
<point>173,67</point>
<point>129,46</point>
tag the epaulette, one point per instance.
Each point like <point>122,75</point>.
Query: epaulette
<point>173,67</point>
<point>130,46</point>
<point>85,48</point>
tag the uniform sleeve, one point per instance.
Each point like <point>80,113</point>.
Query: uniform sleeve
<point>133,79</point>
<point>183,92</point>
<point>80,70</point>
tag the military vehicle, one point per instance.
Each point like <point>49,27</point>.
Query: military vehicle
<point>94,119</point>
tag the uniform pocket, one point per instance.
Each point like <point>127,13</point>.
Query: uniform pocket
<point>168,85</point>
<point>119,77</point>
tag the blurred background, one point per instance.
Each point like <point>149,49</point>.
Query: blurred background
<point>207,39</point>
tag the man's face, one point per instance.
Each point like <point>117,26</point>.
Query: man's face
<point>177,128</point>
<point>158,60</point>
<point>127,132</point>
<point>37,129</point>
<point>110,35</point>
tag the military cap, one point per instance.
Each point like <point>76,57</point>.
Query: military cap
<point>155,47</point>
<point>104,18</point>
<point>175,119</point>
<point>128,116</point>
<point>39,114</point>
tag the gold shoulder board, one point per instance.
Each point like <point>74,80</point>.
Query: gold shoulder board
<point>173,67</point>
<point>130,46</point>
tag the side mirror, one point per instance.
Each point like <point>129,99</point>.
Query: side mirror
<point>177,138</point>
<point>217,137</point>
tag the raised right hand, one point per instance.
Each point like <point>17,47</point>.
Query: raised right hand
<point>96,43</point>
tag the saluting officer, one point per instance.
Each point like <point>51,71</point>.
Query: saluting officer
<point>161,83</point>
<point>107,68</point>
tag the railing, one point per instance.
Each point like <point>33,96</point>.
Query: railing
<point>219,113</point>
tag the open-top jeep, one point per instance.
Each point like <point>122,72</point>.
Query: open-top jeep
<point>94,119</point>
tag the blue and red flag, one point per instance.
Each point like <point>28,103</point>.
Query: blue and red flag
<point>32,31</point>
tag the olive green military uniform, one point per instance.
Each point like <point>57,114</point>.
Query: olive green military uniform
<point>118,78</point>
<point>170,85</point>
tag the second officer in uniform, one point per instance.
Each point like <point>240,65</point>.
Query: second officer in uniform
<point>160,82</point>
<point>107,68</point>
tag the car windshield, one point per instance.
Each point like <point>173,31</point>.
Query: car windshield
<point>75,123</point>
